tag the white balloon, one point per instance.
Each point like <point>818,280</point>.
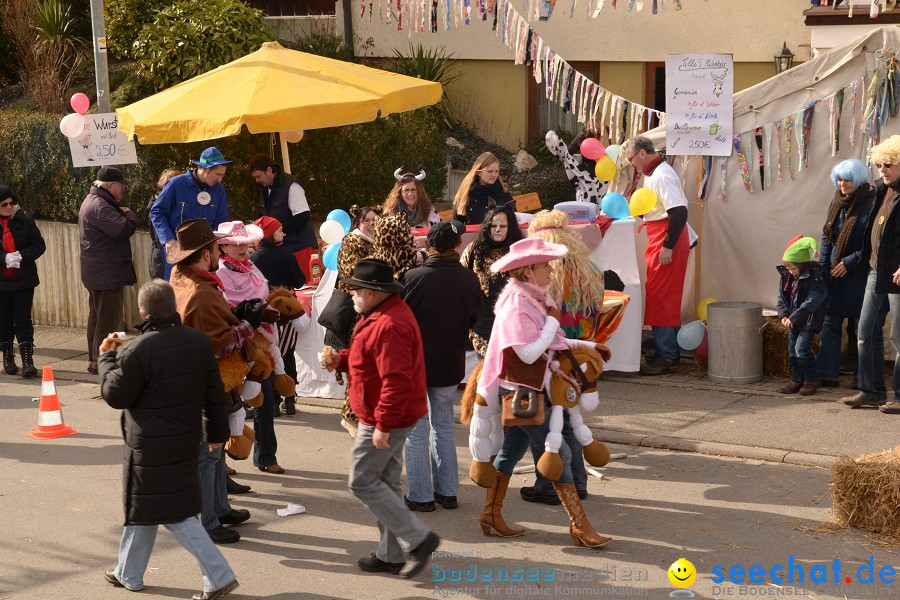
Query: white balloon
<point>72,125</point>
<point>332,232</point>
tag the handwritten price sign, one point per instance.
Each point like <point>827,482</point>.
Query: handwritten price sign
<point>699,104</point>
<point>101,143</point>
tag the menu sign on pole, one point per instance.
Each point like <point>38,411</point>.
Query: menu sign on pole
<point>101,143</point>
<point>699,104</point>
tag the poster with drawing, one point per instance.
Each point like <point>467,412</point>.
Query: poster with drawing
<point>101,143</point>
<point>699,104</point>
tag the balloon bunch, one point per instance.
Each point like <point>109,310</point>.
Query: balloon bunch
<point>694,335</point>
<point>72,125</point>
<point>592,149</point>
<point>615,205</point>
<point>336,226</point>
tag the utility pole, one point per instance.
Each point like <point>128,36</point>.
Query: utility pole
<point>100,67</point>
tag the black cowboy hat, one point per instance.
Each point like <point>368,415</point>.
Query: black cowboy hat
<point>374,274</point>
<point>192,235</point>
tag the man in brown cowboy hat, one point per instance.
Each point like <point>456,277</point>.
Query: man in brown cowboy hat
<point>202,305</point>
<point>386,367</point>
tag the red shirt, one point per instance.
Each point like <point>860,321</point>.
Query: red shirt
<point>386,367</point>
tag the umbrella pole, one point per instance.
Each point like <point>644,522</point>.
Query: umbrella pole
<point>285,153</point>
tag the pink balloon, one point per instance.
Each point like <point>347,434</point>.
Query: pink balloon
<point>80,103</point>
<point>592,149</point>
<point>72,125</point>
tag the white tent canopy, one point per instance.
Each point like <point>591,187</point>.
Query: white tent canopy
<point>743,238</point>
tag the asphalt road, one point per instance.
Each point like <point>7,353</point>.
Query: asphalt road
<point>60,503</point>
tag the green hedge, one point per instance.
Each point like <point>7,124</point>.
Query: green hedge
<point>338,167</point>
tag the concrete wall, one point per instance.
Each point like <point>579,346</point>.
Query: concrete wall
<point>492,95</point>
<point>61,300</point>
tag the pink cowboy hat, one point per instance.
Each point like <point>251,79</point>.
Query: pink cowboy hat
<point>237,233</point>
<point>530,251</point>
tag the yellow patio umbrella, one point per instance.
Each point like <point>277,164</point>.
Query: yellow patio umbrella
<point>273,90</point>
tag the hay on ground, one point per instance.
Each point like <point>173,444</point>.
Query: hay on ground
<point>866,492</point>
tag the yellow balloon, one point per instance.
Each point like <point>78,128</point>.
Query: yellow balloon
<point>605,169</point>
<point>642,201</point>
<point>702,312</point>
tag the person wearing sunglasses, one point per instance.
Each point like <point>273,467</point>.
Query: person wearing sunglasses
<point>881,251</point>
<point>22,245</point>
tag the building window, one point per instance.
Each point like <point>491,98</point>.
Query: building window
<point>546,114</point>
<point>655,86</point>
<point>294,8</point>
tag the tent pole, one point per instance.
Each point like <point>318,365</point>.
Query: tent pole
<point>285,153</point>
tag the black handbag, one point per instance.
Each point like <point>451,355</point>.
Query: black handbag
<point>337,318</point>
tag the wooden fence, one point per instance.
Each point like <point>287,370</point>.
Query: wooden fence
<point>61,300</point>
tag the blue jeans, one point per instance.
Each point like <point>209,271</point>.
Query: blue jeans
<point>375,480</point>
<point>871,341</point>
<point>803,361</point>
<point>666,340</point>
<point>829,360</point>
<point>579,471</point>
<point>517,440</point>
<point>440,472</point>
<point>137,545</point>
<point>213,490</point>
<point>265,445</point>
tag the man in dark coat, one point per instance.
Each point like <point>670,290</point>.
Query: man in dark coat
<point>166,381</point>
<point>104,228</point>
<point>445,298</point>
<point>283,198</point>
<point>387,393</point>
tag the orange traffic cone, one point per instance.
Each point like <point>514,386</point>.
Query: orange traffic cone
<point>50,420</point>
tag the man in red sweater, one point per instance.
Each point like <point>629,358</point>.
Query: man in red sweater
<point>386,368</point>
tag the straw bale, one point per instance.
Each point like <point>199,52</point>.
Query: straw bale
<point>866,492</point>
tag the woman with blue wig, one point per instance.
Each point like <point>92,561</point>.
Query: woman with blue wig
<point>841,257</point>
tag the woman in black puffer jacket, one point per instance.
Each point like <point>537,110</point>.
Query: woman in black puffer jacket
<point>21,246</point>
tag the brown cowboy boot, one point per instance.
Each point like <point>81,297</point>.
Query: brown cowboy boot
<point>581,529</point>
<point>491,517</point>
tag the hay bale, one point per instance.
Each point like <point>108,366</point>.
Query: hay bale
<point>776,362</point>
<point>866,492</point>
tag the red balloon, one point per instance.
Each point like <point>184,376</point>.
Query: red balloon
<point>592,149</point>
<point>80,103</point>
<point>703,349</point>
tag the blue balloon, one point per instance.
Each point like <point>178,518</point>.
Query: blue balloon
<point>341,217</point>
<point>330,256</point>
<point>615,205</point>
<point>612,151</point>
<point>691,335</point>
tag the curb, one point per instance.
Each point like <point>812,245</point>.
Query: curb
<point>627,438</point>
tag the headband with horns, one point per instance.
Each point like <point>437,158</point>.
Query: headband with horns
<point>399,175</point>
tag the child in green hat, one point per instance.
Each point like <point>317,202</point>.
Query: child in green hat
<point>802,300</point>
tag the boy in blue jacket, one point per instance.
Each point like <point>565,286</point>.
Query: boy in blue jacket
<point>802,295</point>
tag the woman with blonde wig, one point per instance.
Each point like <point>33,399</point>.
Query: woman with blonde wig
<point>577,287</point>
<point>577,284</point>
<point>881,252</point>
<point>481,190</point>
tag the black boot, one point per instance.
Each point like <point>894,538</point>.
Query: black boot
<point>288,407</point>
<point>9,359</point>
<point>27,352</point>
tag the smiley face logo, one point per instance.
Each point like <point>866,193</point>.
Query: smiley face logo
<point>682,573</point>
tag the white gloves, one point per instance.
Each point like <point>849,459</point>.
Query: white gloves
<point>13,260</point>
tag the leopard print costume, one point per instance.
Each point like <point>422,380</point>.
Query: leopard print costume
<point>394,243</point>
<point>353,249</point>
<point>486,279</point>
